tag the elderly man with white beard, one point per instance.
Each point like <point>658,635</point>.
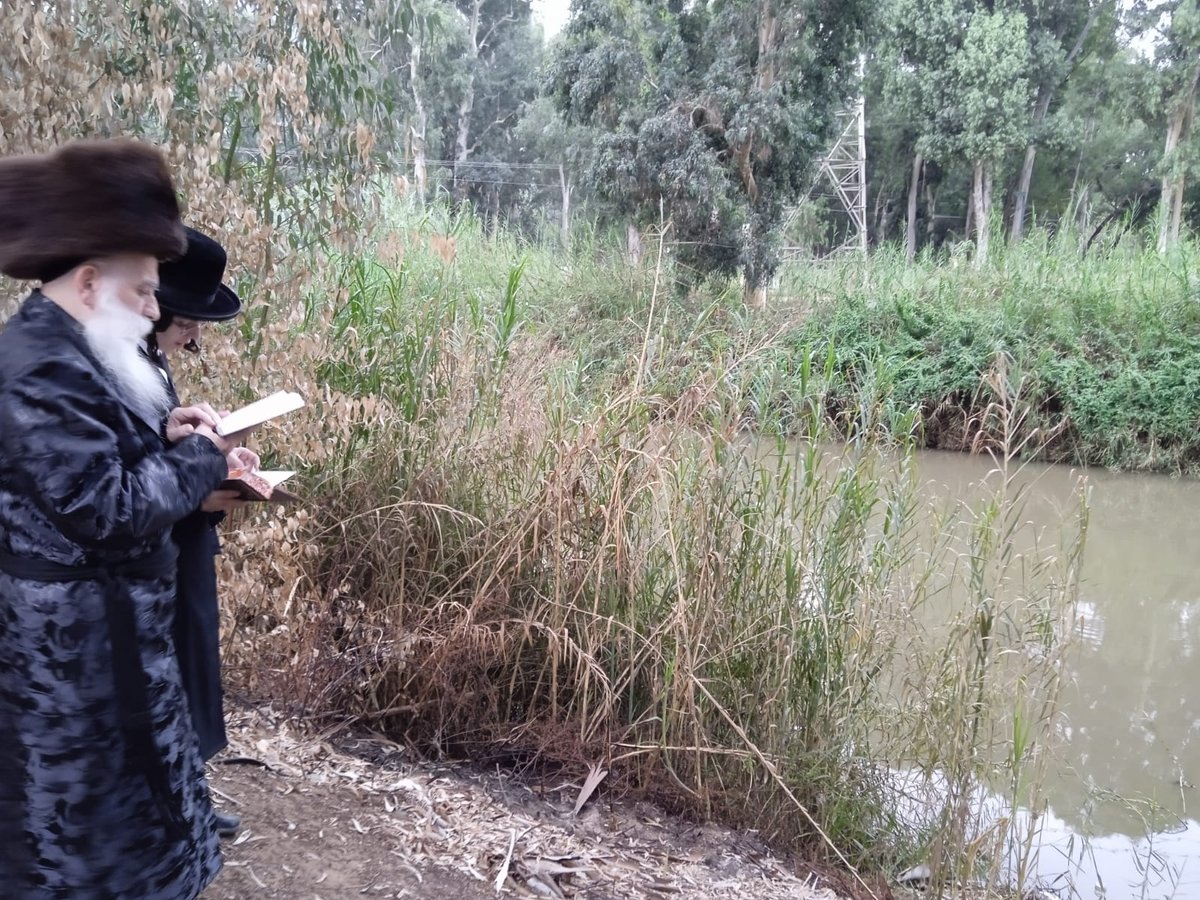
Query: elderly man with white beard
<point>101,785</point>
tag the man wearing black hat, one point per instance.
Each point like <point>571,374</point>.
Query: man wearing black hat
<point>190,292</point>
<point>101,790</point>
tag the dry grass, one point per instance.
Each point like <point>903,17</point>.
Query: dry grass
<point>491,566</point>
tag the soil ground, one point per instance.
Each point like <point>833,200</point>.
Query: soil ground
<point>359,817</point>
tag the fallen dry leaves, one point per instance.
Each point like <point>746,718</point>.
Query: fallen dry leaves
<point>373,821</point>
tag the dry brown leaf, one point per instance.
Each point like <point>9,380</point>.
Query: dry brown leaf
<point>596,774</point>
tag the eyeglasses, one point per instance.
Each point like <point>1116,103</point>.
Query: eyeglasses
<point>186,325</point>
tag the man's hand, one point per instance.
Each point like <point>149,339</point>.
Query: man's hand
<point>225,444</point>
<point>222,501</point>
<point>186,420</point>
<point>243,458</point>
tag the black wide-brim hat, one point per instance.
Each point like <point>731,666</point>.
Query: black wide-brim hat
<point>191,286</point>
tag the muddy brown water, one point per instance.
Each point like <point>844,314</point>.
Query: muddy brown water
<point>1123,816</point>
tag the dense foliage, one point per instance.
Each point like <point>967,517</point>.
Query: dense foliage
<point>712,114</point>
<point>708,118</point>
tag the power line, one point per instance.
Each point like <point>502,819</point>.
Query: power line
<point>484,164</point>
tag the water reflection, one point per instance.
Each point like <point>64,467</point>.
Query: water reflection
<point>1132,713</point>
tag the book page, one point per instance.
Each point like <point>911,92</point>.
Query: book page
<point>260,411</point>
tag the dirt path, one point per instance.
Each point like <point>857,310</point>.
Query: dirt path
<point>302,840</point>
<point>360,819</point>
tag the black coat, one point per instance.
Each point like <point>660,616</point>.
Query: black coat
<point>198,616</point>
<point>85,482</point>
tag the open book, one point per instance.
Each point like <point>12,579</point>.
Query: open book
<point>277,404</point>
<point>260,486</point>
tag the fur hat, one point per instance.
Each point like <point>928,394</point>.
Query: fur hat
<point>85,200</point>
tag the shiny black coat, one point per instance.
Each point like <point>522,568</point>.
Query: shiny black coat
<point>198,616</point>
<point>83,480</point>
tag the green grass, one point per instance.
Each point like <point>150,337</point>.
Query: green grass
<point>1105,347</point>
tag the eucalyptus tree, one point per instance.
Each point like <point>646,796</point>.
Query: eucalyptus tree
<point>500,63</point>
<point>1175,25</point>
<point>544,138</point>
<point>991,91</point>
<point>959,72</point>
<point>915,49</point>
<point>267,110</point>
<point>713,114</point>
<point>1059,33</point>
<point>423,43</point>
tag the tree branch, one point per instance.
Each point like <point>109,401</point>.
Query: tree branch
<point>483,133</point>
<point>491,31</point>
<point>1093,16</point>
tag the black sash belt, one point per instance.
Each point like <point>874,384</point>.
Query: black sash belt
<point>133,700</point>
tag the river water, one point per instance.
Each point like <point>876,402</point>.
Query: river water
<point>1123,819</point>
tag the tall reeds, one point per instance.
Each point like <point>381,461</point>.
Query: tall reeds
<point>510,556</point>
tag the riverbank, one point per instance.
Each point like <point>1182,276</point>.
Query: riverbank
<point>536,534</point>
<point>1099,354</point>
<point>1086,359</point>
<point>346,814</point>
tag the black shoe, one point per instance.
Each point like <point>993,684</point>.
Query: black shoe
<point>227,825</point>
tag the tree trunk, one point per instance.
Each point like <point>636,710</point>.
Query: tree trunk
<point>877,226</point>
<point>755,296</point>
<point>1178,131</point>
<point>910,232</point>
<point>930,205</point>
<point>765,75</point>
<point>1089,133</point>
<point>491,213</point>
<point>463,134</point>
<point>565,225</point>
<point>983,211</point>
<point>758,266</point>
<point>1045,95</point>
<point>1083,213</point>
<point>1169,183</point>
<point>1177,196</point>
<point>754,293</point>
<point>969,218</point>
<point>420,175</point>
<point>1021,201</point>
<point>633,239</point>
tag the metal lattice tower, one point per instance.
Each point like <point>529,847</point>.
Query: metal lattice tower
<point>845,167</point>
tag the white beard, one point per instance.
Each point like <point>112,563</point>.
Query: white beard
<point>116,335</point>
